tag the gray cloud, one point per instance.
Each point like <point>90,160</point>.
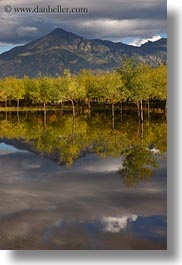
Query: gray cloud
<point>106,19</point>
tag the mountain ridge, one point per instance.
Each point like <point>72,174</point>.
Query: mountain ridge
<point>61,49</point>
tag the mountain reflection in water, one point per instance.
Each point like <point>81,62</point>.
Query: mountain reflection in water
<point>65,190</point>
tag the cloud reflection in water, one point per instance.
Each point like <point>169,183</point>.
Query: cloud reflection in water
<point>116,224</point>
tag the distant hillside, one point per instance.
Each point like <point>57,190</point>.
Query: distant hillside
<point>60,49</point>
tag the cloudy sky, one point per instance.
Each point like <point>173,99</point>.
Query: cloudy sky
<point>128,21</point>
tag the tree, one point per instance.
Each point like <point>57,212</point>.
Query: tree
<point>17,89</point>
<point>110,87</point>
<point>59,91</point>
<point>30,89</point>
<point>136,82</point>
<point>74,90</point>
<point>45,88</point>
<point>141,87</point>
<point>128,71</point>
<point>89,81</point>
<point>5,90</point>
<point>159,83</point>
<point>109,90</point>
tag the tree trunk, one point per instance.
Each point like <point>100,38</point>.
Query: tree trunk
<point>141,111</point>
<point>89,108</point>
<point>113,125</point>
<point>138,108</point>
<point>45,115</point>
<point>141,132</point>
<point>18,104</point>
<point>73,131</point>
<point>61,113</point>
<point>77,107</point>
<point>121,110</point>
<point>112,110</point>
<point>5,103</point>
<point>166,106</point>
<point>18,117</point>
<point>166,110</point>
<point>73,108</point>
<point>148,110</point>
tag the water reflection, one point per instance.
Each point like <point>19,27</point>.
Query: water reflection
<point>64,139</point>
<point>115,224</point>
<point>82,203</point>
<point>8,148</point>
<point>138,164</point>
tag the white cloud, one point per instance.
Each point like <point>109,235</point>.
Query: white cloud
<point>4,44</point>
<point>139,42</point>
<point>115,224</point>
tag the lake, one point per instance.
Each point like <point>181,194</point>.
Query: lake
<point>85,183</point>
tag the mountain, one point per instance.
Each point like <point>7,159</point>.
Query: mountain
<point>60,49</point>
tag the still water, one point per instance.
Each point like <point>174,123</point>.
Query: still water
<point>82,183</point>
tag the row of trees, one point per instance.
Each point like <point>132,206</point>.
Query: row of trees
<point>66,139</point>
<point>134,82</point>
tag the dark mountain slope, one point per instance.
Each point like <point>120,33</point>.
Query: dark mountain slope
<point>60,49</point>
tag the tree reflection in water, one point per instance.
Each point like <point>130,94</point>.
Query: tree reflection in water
<point>137,165</point>
<point>65,138</point>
